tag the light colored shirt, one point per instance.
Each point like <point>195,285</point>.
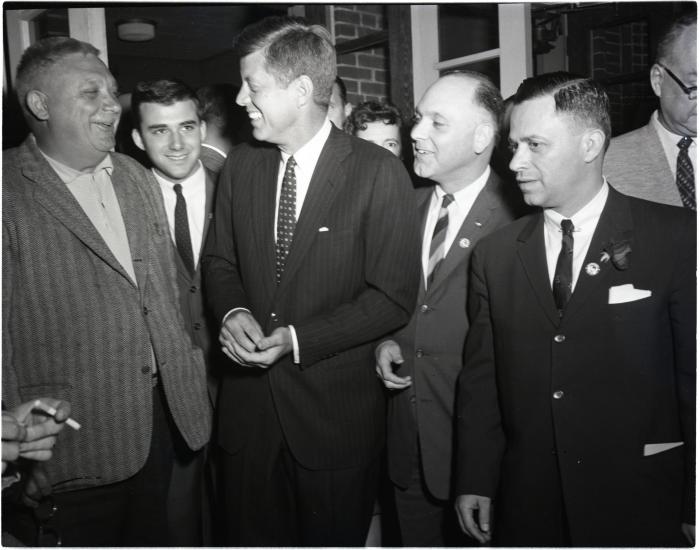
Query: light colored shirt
<point>306,159</point>
<point>669,142</point>
<point>95,193</point>
<point>194,191</point>
<point>457,213</point>
<point>585,221</point>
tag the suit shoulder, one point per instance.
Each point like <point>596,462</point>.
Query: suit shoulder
<point>645,211</point>
<point>508,233</point>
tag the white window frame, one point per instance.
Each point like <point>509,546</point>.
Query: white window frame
<point>514,51</point>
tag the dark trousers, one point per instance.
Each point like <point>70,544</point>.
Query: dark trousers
<point>272,500</point>
<point>128,513</point>
<point>423,519</point>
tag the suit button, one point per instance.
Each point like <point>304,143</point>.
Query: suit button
<point>197,326</point>
<point>193,289</point>
<point>413,399</point>
<point>419,353</point>
<point>424,308</point>
<point>273,315</point>
<point>558,394</point>
<point>145,310</point>
<point>559,338</point>
<point>579,461</point>
<point>146,369</point>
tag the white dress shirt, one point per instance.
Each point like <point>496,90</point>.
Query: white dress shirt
<point>457,213</point>
<point>194,191</point>
<point>585,221</point>
<point>669,142</point>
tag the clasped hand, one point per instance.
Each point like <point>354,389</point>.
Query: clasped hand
<point>242,340</point>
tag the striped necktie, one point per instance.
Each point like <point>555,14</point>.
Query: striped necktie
<point>685,177</point>
<point>437,244</point>
<point>286,216</point>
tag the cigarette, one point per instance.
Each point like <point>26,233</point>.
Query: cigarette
<point>48,409</point>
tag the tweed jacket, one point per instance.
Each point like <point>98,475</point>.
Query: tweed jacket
<point>636,165</point>
<point>432,344</point>
<point>76,327</point>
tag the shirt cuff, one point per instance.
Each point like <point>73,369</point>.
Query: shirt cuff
<point>295,344</point>
<point>231,312</point>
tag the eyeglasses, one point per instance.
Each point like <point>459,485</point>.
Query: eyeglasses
<point>690,91</point>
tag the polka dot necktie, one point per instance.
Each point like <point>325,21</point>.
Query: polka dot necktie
<point>563,274</point>
<point>685,177</point>
<point>437,244</point>
<point>286,216</point>
<point>182,229</point>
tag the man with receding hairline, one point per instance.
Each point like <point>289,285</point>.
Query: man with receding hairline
<point>309,261</point>
<point>576,402</point>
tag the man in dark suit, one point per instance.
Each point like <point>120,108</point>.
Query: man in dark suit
<point>576,404</point>
<point>310,259</point>
<point>90,307</point>
<point>168,128</point>
<point>427,353</point>
<point>657,162</point>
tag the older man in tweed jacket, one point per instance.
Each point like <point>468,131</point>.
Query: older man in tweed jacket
<point>90,308</point>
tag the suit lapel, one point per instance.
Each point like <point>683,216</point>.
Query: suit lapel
<point>615,223</point>
<point>263,197</point>
<point>53,195</point>
<point>475,225</point>
<point>533,257</point>
<point>424,195</point>
<point>328,178</point>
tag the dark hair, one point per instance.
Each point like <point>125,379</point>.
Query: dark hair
<point>582,98</point>
<point>372,111</point>
<point>215,104</point>
<point>486,95</point>
<point>665,48</point>
<point>343,89</point>
<point>38,58</point>
<point>293,48</point>
<point>163,92</point>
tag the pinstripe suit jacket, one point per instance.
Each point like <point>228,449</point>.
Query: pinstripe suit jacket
<point>76,327</point>
<point>636,165</point>
<point>350,278</point>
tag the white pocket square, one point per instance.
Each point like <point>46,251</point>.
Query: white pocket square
<point>323,229</point>
<point>626,293</point>
<point>656,448</point>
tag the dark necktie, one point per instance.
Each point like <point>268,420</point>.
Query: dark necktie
<point>182,229</point>
<point>685,177</point>
<point>286,216</point>
<point>562,284</point>
<point>437,244</point>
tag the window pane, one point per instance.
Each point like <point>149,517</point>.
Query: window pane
<point>489,67</point>
<point>467,29</point>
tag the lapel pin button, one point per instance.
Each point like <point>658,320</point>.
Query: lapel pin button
<point>464,243</point>
<point>592,269</point>
<point>478,224</point>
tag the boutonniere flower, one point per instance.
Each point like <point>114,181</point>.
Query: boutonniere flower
<point>618,253</point>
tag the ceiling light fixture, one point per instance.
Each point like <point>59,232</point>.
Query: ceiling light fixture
<point>136,30</point>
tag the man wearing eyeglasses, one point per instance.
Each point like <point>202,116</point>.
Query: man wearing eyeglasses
<point>657,162</point>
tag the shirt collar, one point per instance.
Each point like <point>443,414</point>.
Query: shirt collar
<point>213,148</point>
<point>308,154</point>
<point>190,181</point>
<point>68,175</point>
<point>468,191</point>
<point>589,214</point>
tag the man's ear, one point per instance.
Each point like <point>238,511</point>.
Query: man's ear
<point>305,89</point>
<point>37,103</point>
<point>593,144</point>
<point>656,77</point>
<point>136,136</point>
<point>203,130</point>
<point>348,109</point>
<point>483,137</point>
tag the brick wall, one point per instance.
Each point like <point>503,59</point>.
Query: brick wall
<point>366,72</point>
<point>622,50</point>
